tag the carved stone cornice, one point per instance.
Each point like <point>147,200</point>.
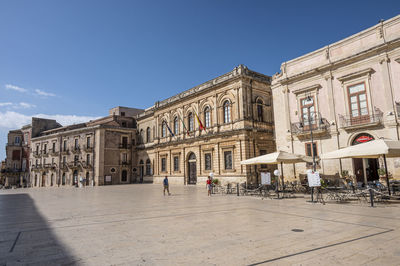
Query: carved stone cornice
<point>313,87</point>
<point>360,73</point>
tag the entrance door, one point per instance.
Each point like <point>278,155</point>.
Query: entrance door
<point>75,178</point>
<point>43,180</point>
<point>371,165</point>
<point>141,173</point>
<point>192,169</point>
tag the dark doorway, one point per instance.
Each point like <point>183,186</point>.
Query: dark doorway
<point>124,176</point>
<point>75,178</point>
<point>44,180</point>
<point>192,178</point>
<point>63,179</point>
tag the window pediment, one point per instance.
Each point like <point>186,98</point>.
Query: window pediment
<point>307,89</point>
<point>353,75</point>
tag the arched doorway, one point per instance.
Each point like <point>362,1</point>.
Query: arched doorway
<point>371,165</point>
<point>141,168</point>
<point>87,178</point>
<point>44,179</point>
<point>192,176</point>
<point>63,179</point>
<point>51,179</point>
<point>75,178</point>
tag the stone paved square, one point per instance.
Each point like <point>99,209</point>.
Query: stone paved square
<point>137,225</point>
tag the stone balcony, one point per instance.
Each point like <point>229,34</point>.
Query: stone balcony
<point>87,148</point>
<point>76,150</point>
<point>124,146</point>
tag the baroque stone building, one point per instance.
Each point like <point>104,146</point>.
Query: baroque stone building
<point>347,92</point>
<point>208,129</point>
<point>16,171</point>
<point>100,152</point>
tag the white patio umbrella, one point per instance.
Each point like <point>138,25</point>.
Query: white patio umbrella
<point>279,157</point>
<point>371,149</point>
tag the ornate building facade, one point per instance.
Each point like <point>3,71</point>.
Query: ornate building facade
<point>345,93</point>
<point>208,129</point>
<point>99,152</point>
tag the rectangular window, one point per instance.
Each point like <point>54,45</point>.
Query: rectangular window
<point>358,104</point>
<point>17,140</point>
<point>307,112</point>
<point>52,161</point>
<point>54,147</point>
<point>88,142</point>
<point>263,152</point>
<point>228,160</point>
<point>207,161</point>
<point>45,149</point>
<point>65,145</point>
<point>124,157</point>
<point>64,159</point>
<point>163,164</point>
<point>176,163</point>
<point>124,142</point>
<point>309,152</point>
<point>88,159</point>
<point>37,149</point>
<point>76,144</point>
<point>76,159</point>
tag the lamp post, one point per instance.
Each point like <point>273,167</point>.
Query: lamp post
<point>309,115</point>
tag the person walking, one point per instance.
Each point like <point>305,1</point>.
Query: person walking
<point>166,185</point>
<point>209,185</point>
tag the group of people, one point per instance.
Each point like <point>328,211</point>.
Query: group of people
<point>209,185</point>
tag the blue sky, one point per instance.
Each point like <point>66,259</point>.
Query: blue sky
<point>63,58</point>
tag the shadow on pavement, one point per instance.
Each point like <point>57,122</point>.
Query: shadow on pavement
<point>25,235</point>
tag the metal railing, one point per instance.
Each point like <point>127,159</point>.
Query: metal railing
<point>348,121</point>
<point>305,127</point>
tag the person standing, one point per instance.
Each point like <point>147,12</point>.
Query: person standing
<point>209,185</point>
<point>166,185</point>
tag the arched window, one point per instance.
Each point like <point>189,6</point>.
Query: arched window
<point>164,129</point>
<point>141,137</point>
<point>176,125</point>
<point>207,120</point>
<point>148,135</point>
<point>260,113</point>
<point>148,167</point>
<point>191,122</point>
<point>141,162</point>
<point>227,111</point>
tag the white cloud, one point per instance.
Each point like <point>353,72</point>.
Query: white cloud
<point>15,88</point>
<point>25,105</point>
<point>14,120</point>
<point>17,105</point>
<point>43,93</point>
